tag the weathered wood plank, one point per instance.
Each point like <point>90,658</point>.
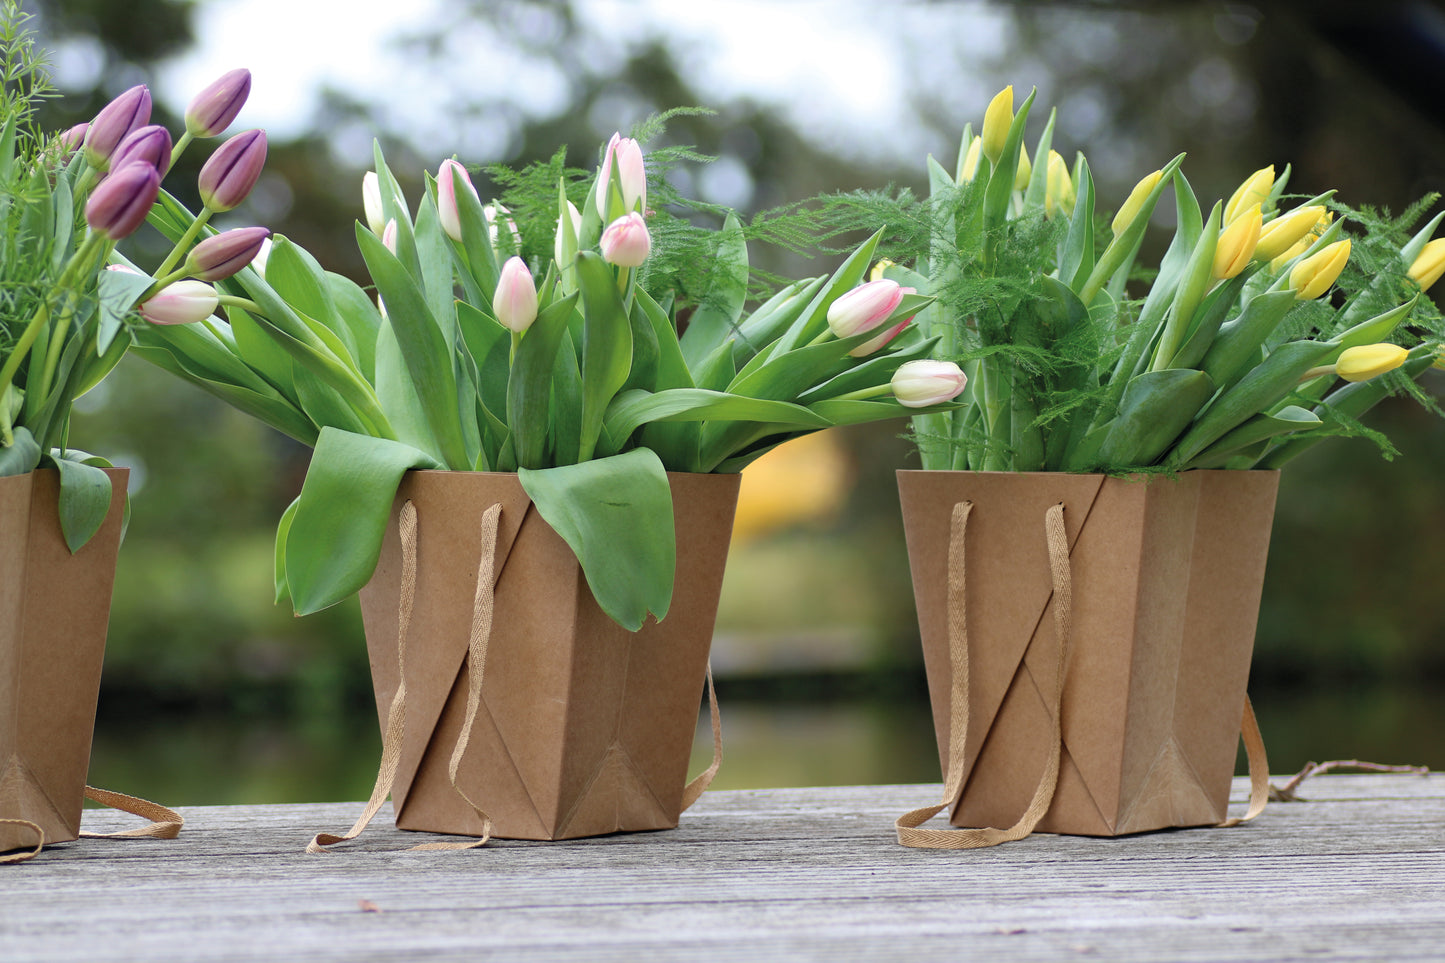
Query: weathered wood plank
<point>810,874</point>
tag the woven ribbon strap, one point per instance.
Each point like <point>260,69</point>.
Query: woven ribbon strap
<point>164,823</point>
<point>909,833</point>
<point>481,632</point>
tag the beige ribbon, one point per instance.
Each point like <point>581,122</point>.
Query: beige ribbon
<point>481,631</point>
<point>909,833</point>
<point>164,823</point>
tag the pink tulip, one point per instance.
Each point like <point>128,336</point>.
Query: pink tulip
<point>388,235</point>
<point>121,201</point>
<point>631,175</point>
<point>231,172</point>
<point>184,302</point>
<point>447,176</point>
<point>213,109</point>
<point>151,144</point>
<point>626,242</point>
<point>116,119</point>
<point>918,384</point>
<point>515,301</point>
<point>864,308</point>
<point>223,255</point>
<point>371,202</point>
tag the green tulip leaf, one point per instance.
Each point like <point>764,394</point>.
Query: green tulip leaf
<point>606,346</point>
<point>1259,428</point>
<point>335,536</point>
<point>84,500</point>
<point>21,456</point>
<point>1238,342</point>
<point>1157,406</point>
<point>117,291</point>
<point>529,389</point>
<point>616,514</point>
<point>632,409</point>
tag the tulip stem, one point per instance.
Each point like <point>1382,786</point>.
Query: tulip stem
<point>245,304</point>
<point>516,343</point>
<point>1320,372</point>
<point>184,244</point>
<point>160,284</point>
<point>180,147</point>
<point>862,394</point>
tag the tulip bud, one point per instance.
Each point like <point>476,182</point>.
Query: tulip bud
<point>1369,361</point>
<point>1282,233</point>
<point>1254,190</point>
<point>996,122</point>
<point>122,200</point>
<point>1314,275</point>
<point>864,308</point>
<point>371,202</point>
<point>970,159</point>
<point>116,119</point>
<point>631,175</point>
<point>222,255</point>
<point>868,347</point>
<point>151,144</point>
<point>1059,188</point>
<point>263,254</point>
<point>184,302</point>
<point>231,172</point>
<point>1429,265</point>
<point>559,246</point>
<point>1134,203</point>
<point>626,242</point>
<point>73,137</point>
<point>515,300</point>
<point>1235,248</point>
<point>447,175</point>
<point>879,269</point>
<point>213,109</point>
<point>1025,171</point>
<point>496,216</point>
<point>388,236</point>
<point>918,384</point>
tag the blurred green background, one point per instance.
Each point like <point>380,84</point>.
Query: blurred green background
<point>212,694</point>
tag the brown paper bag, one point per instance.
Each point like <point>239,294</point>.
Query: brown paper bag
<point>1167,574</point>
<point>54,608</point>
<point>584,728</point>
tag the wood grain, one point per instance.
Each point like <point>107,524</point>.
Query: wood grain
<point>1357,872</point>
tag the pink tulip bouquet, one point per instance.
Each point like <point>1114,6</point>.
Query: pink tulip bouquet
<point>567,332</point>
<point>65,202</point>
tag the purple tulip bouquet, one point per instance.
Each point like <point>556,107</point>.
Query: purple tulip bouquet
<point>566,332</point>
<point>65,201</point>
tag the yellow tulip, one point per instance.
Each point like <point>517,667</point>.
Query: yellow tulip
<point>1025,171</point>
<point>1285,231</point>
<point>1314,275</point>
<point>970,159</point>
<point>1236,244</point>
<point>877,273</point>
<point>1254,190</point>
<point>1369,361</point>
<point>996,121</point>
<point>1303,244</point>
<point>1059,194</point>
<point>1135,202</point>
<point>1429,265</point>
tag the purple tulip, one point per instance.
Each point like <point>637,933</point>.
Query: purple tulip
<point>116,119</point>
<point>73,137</point>
<point>626,242</point>
<point>151,144</point>
<point>121,201</point>
<point>231,172</point>
<point>213,109</point>
<point>223,255</point>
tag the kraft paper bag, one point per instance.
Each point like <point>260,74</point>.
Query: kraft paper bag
<point>1167,574</point>
<point>584,728</point>
<point>54,609</point>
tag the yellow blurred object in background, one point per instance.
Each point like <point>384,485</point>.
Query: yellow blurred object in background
<point>803,480</point>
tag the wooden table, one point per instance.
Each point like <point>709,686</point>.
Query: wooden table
<point>1357,872</point>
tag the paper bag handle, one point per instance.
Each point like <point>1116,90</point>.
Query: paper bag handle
<point>481,631</point>
<point>164,823</point>
<point>699,783</point>
<point>907,825</point>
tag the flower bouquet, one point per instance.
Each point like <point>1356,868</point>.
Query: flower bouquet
<point>1116,409</point>
<point>526,451</point>
<point>65,201</point>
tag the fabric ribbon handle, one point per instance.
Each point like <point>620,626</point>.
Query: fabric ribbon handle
<point>907,825</point>
<point>481,630</point>
<point>164,823</point>
<point>702,780</point>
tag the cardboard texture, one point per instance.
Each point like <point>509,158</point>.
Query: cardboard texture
<point>54,608</point>
<point>1167,575</point>
<point>585,728</point>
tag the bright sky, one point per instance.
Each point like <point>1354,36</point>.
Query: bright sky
<point>836,68</point>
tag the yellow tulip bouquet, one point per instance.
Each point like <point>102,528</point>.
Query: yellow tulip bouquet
<point>1271,322</point>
